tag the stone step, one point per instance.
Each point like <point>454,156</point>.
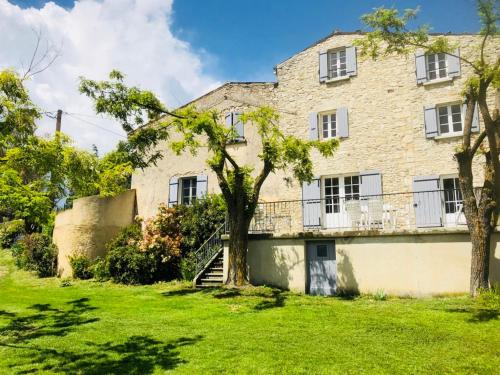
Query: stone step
<point>218,274</point>
<point>211,280</point>
<point>215,268</point>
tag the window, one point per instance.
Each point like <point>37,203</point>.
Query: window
<point>436,66</point>
<point>233,121</point>
<point>332,196</point>
<point>337,188</point>
<point>452,195</point>
<point>187,190</point>
<point>450,119</point>
<point>321,251</point>
<point>329,122</point>
<point>337,66</point>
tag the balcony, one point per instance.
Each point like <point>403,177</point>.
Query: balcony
<point>393,212</point>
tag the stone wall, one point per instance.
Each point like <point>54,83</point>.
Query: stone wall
<point>386,124</point>
<point>89,225</point>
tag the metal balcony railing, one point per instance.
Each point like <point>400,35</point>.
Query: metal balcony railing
<point>387,212</point>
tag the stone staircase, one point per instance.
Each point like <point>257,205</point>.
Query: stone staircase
<point>212,275</point>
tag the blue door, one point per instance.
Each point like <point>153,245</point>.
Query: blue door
<point>322,268</point>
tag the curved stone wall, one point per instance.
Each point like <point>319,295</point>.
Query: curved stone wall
<point>89,225</point>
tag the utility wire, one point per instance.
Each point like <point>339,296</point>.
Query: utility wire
<point>72,115</point>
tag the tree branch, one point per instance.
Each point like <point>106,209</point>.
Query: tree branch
<point>478,142</point>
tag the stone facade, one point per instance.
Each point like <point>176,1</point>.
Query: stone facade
<point>385,119</point>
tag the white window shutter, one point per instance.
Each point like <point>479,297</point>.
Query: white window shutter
<point>430,119</point>
<point>238,126</point>
<point>370,184</point>
<point>427,201</point>
<point>453,64</point>
<point>313,126</point>
<point>311,203</point>
<point>351,63</point>
<point>201,186</point>
<point>323,66</point>
<point>420,67</point>
<point>342,122</point>
<point>173,191</point>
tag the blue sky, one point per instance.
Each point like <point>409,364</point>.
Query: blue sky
<point>243,39</point>
<point>179,49</point>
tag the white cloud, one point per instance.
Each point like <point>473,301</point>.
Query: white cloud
<point>133,36</point>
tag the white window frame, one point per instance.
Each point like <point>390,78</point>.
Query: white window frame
<point>449,112</point>
<point>191,197</point>
<point>436,69</point>
<point>332,129</point>
<point>455,201</point>
<point>339,71</point>
<point>340,198</point>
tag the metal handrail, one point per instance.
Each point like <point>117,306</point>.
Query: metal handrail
<point>209,248</point>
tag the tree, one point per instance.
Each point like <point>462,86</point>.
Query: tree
<point>390,35</point>
<point>36,173</point>
<point>140,114</point>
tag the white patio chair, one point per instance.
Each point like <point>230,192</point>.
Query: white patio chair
<point>353,209</point>
<point>375,213</point>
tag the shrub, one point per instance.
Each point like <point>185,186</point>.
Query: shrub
<point>199,221</point>
<point>100,269</point>
<point>188,266</point>
<point>10,232</point>
<point>36,252</point>
<point>380,295</point>
<point>82,267</point>
<point>125,262</point>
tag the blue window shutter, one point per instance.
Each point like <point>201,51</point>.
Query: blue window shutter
<point>173,191</point>
<point>351,63</point>
<point>370,184</point>
<point>420,67</point>
<point>313,126</point>
<point>475,119</point>
<point>238,126</point>
<point>427,201</point>
<point>323,66</point>
<point>453,64</point>
<point>430,120</point>
<point>342,122</point>
<point>311,205</point>
<point>229,120</point>
<point>201,185</point>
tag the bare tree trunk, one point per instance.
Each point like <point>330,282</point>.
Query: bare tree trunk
<point>238,246</point>
<point>478,212</point>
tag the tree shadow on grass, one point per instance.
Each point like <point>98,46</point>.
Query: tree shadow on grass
<point>46,321</point>
<point>136,355</point>
<point>269,297</point>
<point>477,315</point>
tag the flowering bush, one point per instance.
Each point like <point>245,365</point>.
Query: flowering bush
<point>161,235</point>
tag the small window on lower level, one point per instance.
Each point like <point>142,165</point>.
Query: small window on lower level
<point>452,195</point>
<point>321,251</point>
<point>187,190</point>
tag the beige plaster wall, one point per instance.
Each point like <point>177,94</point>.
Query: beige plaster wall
<point>89,225</point>
<point>406,265</point>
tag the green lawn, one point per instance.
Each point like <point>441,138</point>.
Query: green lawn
<point>102,328</point>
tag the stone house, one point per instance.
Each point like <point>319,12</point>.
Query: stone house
<point>385,212</point>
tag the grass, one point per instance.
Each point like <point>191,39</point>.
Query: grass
<point>54,326</point>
